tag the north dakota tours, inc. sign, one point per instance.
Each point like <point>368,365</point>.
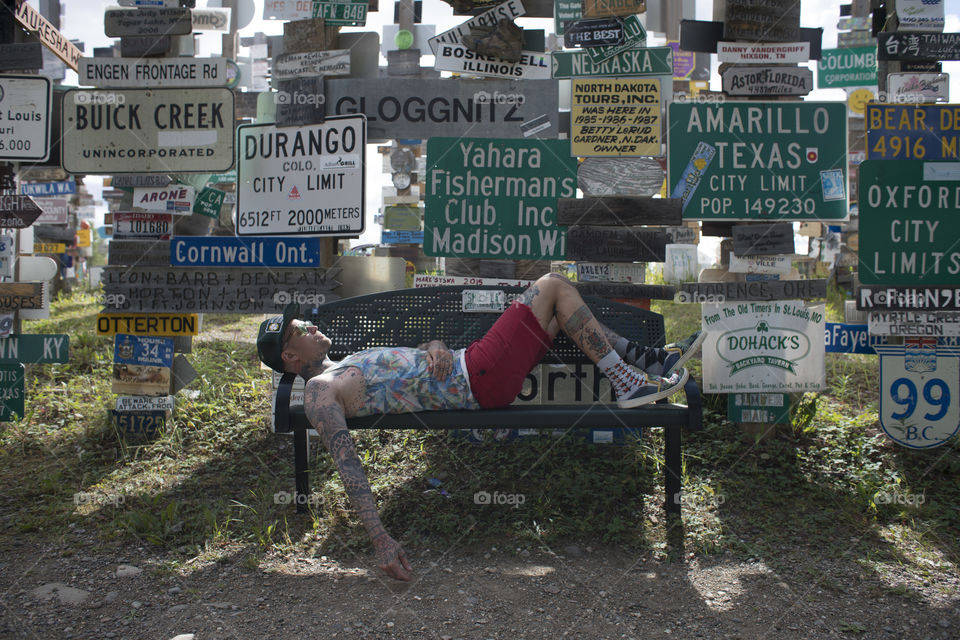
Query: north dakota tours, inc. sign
<point>497,198</point>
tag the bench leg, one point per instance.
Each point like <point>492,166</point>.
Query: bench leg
<point>673,470</point>
<point>301,470</point>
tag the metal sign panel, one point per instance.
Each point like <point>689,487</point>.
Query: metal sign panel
<point>761,20</point>
<point>565,11</point>
<point>767,81</point>
<point>11,391</point>
<point>915,323</point>
<point>139,253</point>
<point>653,61</point>
<point>611,272</point>
<point>141,180</point>
<point>918,46</point>
<point>911,238</point>
<point>533,65</point>
<point>516,216</point>
<point>148,324</point>
<point>763,239</point>
<point>18,212</point>
<point>847,67</point>
<point>139,423</point>
<point>508,10</point>
<point>136,224</point>
<point>757,160</point>
<point>147,21</point>
<point>634,36</point>
<point>849,338</point>
<point>145,403</point>
<point>769,346</point>
<point>306,180</point>
<point>350,13</point>
<point>147,130</point>
<point>918,87</point>
<point>919,387</point>
<point>220,251</point>
<point>39,348</point>
<point>743,52</point>
<point>595,32</point>
<point>399,109</point>
<point>893,298</point>
<point>920,15</point>
<point>175,199</point>
<point>153,72</point>
<point>35,23</point>
<point>927,132</point>
<point>401,237</point>
<point>615,117</point>
<point>335,62</point>
<point>25,118</point>
<point>770,408</point>
<point>209,202</point>
<point>47,189</point>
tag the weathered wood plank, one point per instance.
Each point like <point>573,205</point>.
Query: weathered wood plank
<point>763,239</point>
<point>714,228</point>
<point>762,20</point>
<point>620,176</point>
<point>300,101</point>
<point>147,21</point>
<point>143,253</point>
<point>619,211</point>
<point>21,55</point>
<point>144,46</point>
<point>604,8</point>
<point>611,244</point>
<point>626,290</point>
<point>754,290</point>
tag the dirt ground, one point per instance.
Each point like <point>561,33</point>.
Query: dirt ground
<point>574,592</point>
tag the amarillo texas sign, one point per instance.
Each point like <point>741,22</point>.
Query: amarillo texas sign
<point>776,345</point>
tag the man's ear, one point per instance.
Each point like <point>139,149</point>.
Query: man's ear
<point>291,361</point>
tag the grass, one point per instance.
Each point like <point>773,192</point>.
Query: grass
<point>214,483</point>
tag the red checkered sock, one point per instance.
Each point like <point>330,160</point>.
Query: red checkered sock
<point>622,376</point>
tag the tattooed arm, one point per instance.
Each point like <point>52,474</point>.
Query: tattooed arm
<point>439,359</point>
<point>327,401</point>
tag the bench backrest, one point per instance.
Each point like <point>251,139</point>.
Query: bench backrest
<point>409,317</point>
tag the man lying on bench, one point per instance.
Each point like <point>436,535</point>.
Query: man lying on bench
<point>486,375</point>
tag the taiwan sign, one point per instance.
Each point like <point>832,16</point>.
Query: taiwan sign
<point>497,198</point>
<point>306,180</point>
<point>847,67</point>
<point>653,61</point>
<point>225,251</point>
<point>778,161</point>
<point>147,130</point>
<point>615,117</point>
<point>919,387</point>
<point>763,346</point>
<point>919,46</point>
<point>24,118</point>
<point>927,132</point>
<point>911,237</point>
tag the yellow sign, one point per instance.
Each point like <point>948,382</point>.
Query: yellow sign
<point>148,324</point>
<point>49,247</point>
<point>83,237</point>
<point>615,117</point>
<point>858,99</point>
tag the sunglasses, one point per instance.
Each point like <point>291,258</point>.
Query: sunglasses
<point>299,327</point>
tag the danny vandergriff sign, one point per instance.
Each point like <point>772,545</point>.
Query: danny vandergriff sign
<point>148,130</point>
<point>777,161</point>
<point>306,180</point>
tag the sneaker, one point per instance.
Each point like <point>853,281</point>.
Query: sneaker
<point>679,352</point>
<point>656,388</point>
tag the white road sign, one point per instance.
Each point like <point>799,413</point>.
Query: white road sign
<point>306,180</point>
<point>458,59</point>
<point>147,130</point>
<point>153,72</point>
<point>55,210</point>
<point>510,9</point>
<point>24,118</point>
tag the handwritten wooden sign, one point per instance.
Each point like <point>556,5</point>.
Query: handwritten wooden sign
<point>615,244</point>
<point>753,290</point>
<point>627,290</point>
<point>142,253</point>
<point>763,239</point>
<point>147,21</point>
<point>620,176</point>
<point>21,295</point>
<point>619,210</point>
<point>767,81</point>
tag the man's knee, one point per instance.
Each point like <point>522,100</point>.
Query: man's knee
<point>553,281</point>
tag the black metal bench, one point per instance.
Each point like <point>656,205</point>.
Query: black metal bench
<point>409,317</point>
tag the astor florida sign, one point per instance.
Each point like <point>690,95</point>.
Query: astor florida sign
<point>759,160</point>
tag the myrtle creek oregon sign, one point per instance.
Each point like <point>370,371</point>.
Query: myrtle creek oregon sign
<point>911,238</point>
<point>928,132</point>
<point>615,117</point>
<point>497,198</point>
<point>759,160</point>
<point>847,67</point>
<point>919,387</point>
<point>24,118</point>
<point>147,130</point>
<point>763,346</point>
<point>306,180</point>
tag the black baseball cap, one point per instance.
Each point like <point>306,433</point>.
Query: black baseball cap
<point>270,339</point>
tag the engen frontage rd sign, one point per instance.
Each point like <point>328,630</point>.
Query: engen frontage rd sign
<point>778,161</point>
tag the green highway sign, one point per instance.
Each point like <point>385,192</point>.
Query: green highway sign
<point>35,348</point>
<point>634,35</point>
<point>910,230</point>
<point>497,197</point>
<point>776,161</point>
<point>565,11</point>
<point>209,201</point>
<point>654,61</point>
<point>847,67</point>
<point>11,392</point>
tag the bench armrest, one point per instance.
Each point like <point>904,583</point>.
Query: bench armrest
<point>695,405</point>
<point>281,409</point>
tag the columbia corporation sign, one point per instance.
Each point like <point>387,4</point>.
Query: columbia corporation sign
<point>148,130</point>
<point>305,180</point>
<point>759,160</point>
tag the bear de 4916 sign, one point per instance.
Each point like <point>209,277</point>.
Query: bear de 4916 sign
<point>147,130</point>
<point>759,160</point>
<point>919,386</point>
<point>305,180</point>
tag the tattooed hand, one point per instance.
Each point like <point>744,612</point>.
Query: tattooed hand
<point>439,360</point>
<point>392,558</point>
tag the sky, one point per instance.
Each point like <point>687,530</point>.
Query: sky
<point>83,19</point>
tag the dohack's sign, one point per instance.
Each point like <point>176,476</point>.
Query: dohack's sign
<point>24,118</point>
<point>653,61</point>
<point>306,180</point>
<point>763,346</point>
<point>496,198</point>
<point>847,67</point>
<point>147,130</point>
<point>153,72</point>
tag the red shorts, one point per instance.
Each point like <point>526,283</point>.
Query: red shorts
<point>499,362</point>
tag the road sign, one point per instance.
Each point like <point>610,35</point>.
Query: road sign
<point>565,11</point>
<point>532,65</point>
<point>175,199</point>
<point>25,118</point>
<point>221,251</point>
<point>877,297</point>
<point>147,130</point>
<point>915,323</point>
<point>919,387</point>
<point>208,202</point>
<point>306,180</point>
<point>135,224</point>
<point>35,23</point>
<point>311,63</point>
<point>515,215</point>
<point>611,272</point>
<point>149,324</point>
<point>349,13</point>
<point>401,217</point>
<point>927,132</point>
<point>767,81</point>
<point>39,348</point>
<point>140,180</point>
<point>911,238</point>
<point>918,46</point>
<point>398,109</point>
<point>763,346</point>
<point>653,61</point>
<point>152,72</point>
<point>769,408</point>
<point>759,160</point>
<point>147,21</point>
<point>595,32</point>
<point>401,237</point>
<point>55,210</point>
<point>18,212</point>
<point>615,117</point>
<point>11,392</point>
<point>21,295</point>
<point>46,189</point>
<point>510,9</point>
<point>604,8</point>
<point>634,36</point>
<point>849,338</point>
<point>777,53</point>
<point>847,67</point>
